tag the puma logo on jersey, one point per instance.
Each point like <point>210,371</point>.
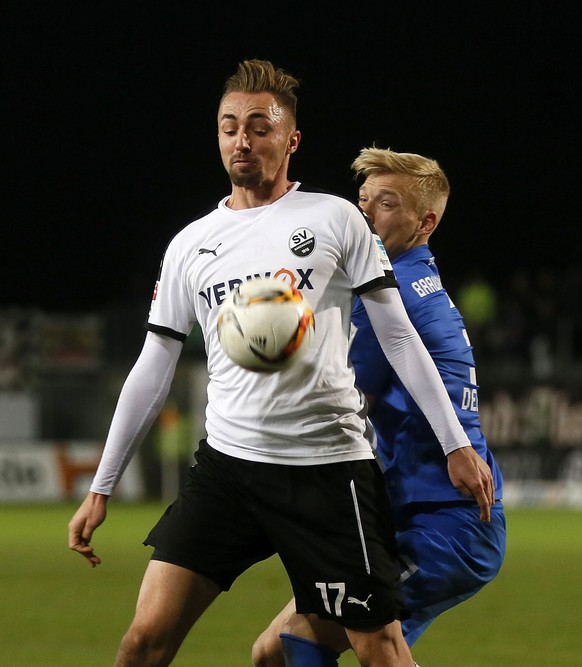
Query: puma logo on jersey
<point>364,603</point>
<point>205,251</point>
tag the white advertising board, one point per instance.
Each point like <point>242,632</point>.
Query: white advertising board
<point>38,471</point>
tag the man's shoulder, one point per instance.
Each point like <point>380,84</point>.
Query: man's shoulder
<point>324,206</point>
<point>309,188</point>
<point>190,232</point>
<point>319,194</point>
<point>417,274</point>
<point>209,212</point>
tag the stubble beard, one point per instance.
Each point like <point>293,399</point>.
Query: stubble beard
<point>246,180</point>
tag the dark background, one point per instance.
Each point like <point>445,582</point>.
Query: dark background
<point>109,126</point>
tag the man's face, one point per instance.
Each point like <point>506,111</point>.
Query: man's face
<point>255,137</point>
<point>387,201</point>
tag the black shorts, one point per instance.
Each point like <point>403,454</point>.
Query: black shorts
<point>329,524</point>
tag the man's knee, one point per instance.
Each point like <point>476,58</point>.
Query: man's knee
<point>141,648</point>
<point>322,632</point>
<point>305,652</point>
<point>382,646</point>
<point>266,650</point>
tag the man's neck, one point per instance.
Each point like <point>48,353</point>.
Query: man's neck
<point>394,256</point>
<point>242,198</point>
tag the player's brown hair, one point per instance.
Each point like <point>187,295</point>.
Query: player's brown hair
<point>429,184</point>
<point>258,76</point>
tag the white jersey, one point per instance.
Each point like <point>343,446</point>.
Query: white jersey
<point>311,413</point>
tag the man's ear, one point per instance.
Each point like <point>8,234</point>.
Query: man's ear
<point>428,223</point>
<point>294,140</point>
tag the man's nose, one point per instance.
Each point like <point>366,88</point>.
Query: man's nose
<point>242,142</point>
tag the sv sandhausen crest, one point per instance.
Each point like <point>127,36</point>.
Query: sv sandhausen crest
<point>302,242</point>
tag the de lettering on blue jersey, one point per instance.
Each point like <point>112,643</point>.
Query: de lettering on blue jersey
<point>416,468</point>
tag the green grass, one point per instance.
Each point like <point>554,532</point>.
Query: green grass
<point>57,612</point>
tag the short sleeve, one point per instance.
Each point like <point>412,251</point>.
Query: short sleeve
<point>366,260</point>
<point>171,311</point>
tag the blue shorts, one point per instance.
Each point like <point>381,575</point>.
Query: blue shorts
<point>448,556</point>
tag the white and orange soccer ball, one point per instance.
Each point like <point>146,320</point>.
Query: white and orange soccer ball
<point>265,325</point>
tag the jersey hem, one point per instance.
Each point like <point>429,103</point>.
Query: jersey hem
<point>321,459</point>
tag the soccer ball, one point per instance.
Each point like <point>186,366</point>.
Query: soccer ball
<point>265,325</point>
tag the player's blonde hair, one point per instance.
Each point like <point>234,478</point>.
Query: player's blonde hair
<point>429,185</point>
<point>259,76</point>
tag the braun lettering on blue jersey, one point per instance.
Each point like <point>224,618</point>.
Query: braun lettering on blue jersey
<point>427,285</point>
<point>215,294</point>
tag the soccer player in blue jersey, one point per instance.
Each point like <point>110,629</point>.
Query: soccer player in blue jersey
<point>448,553</point>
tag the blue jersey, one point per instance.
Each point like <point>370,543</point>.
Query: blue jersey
<point>416,468</point>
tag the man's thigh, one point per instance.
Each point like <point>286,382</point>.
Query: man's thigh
<point>171,600</point>
<point>211,528</point>
<point>448,556</point>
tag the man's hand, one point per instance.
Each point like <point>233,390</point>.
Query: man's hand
<point>90,515</point>
<point>471,475</point>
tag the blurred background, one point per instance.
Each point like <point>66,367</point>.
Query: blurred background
<point>109,130</point>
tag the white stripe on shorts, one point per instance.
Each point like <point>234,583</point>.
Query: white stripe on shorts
<point>360,529</point>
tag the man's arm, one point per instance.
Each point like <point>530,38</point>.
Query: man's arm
<point>142,397</point>
<point>410,359</point>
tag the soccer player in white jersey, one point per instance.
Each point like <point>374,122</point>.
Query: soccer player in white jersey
<point>287,466</point>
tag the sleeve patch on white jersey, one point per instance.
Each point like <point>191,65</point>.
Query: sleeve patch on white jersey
<point>382,254</point>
